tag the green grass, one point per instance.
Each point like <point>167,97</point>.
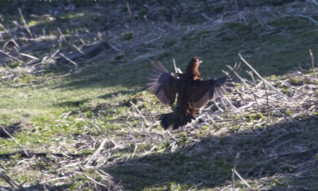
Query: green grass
<point>72,112</point>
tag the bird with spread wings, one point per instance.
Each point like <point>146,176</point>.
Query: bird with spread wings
<point>193,92</point>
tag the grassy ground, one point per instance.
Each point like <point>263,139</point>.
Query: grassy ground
<point>89,124</point>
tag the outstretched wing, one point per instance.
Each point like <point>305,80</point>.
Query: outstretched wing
<point>204,91</point>
<point>163,84</point>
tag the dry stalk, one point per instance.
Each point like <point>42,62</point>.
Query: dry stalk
<point>314,2</point>
<point>207,5</point>
<point>217,105</point>
<point>16,142</point>
<point>29,56</point>
<point>128,8</point>
<point>270,85</point>
<point>11,40</point>
<point>236,110</point>
<point>12,57</point>
<point>176,69</point>
<point>55,179</point>
<point>238,76</point>
<point>91,179</point>
<point>71,61</point>
<point>265,81</point>
<point>233,174</point>
<point>168,132</point>
<point>213,121</point>
<point>207,17</point>
<point>235,5</point>
<point>62,36</point>
<point>25,24</point>
<point>243,180</point>
<point>114,47</point>
<point>139,112</point>
<point>309,18</point>
<point>267,101</point>
<point>312,63</point>
<point>55,53</point>
<point>134,152</point>
<point>14,185</point>
<point>79,50</point>
<point>39,39</point>
<point>96,153</point>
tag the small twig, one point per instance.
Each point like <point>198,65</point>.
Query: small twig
<point>312,63</point>
<point>244,181</point>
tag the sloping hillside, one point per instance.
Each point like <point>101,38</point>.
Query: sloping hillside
<point>75,114</point>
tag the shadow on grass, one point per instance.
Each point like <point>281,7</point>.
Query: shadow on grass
<point>282,157</point>
<point>72,103</point>
<point>41,187</point>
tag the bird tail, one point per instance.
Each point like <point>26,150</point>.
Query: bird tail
<point>168,119</point>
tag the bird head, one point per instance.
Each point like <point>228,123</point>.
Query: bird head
<point>196,61</point>
<point>193,65</point>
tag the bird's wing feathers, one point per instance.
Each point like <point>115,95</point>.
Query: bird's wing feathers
<point>163,84</point>
<point>204,91</point>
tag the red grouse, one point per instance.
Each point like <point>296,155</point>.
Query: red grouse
<point>193,92</point>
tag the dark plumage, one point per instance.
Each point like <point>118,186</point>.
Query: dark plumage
<point>193,92</point>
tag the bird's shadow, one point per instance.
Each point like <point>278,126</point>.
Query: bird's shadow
<point>280,156</point>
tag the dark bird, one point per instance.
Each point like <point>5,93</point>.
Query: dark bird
<point>193,92</point>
